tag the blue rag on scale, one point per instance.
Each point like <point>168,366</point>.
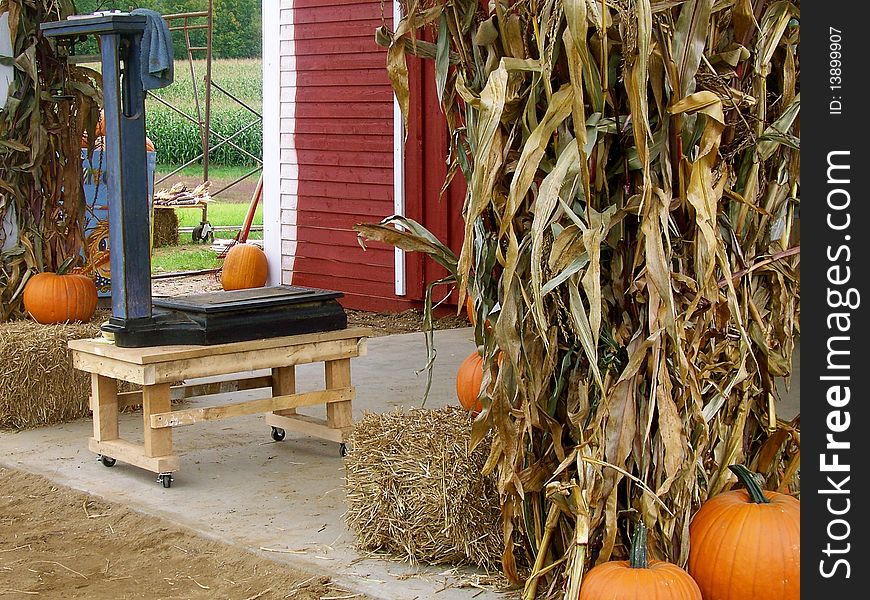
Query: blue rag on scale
<point>157,56</point>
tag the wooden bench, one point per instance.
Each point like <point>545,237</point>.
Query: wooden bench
<point>156,368</point>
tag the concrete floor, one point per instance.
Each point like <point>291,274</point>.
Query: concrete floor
<point>238,486</point>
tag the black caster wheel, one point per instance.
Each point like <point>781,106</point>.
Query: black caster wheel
<point>165,479</point>
<point>278,434</point>
<point>342,449</point>
<point>107,461</point>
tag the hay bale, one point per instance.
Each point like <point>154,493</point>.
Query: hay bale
<point>38,384</point>
<point>165,227</point>
<point>414,489</point>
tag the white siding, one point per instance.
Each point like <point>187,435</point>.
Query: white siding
<point>280,179</point>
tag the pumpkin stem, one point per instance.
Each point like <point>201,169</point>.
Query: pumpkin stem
<point>638,558</point>
<point>747,478</point>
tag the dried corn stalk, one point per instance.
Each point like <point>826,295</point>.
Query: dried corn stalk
<point>41,199</point>
<point>632,171</point>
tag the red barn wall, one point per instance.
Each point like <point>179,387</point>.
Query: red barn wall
<point>336,156</point>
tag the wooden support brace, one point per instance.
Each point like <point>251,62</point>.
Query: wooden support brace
<point>339,415</point>
<point>180,392</point>
<point>104,394</point>
<point>284,384</point>
<point>134,454</point>
<point>190,416</point>
<point>155,399</point>
<point>308,426</point>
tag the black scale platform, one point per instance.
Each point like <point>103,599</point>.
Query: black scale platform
<point>234,316</point>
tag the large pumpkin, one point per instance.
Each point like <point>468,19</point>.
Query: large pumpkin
<point>747,544</point>
<point>638,578</point>
<point>244,267</point>
<point>54,298</point>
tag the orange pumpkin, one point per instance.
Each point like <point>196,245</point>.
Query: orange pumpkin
<point>638,578</point>
<point>747,544</point>
<point>245,266</point>
<point>54,298</point>
<point>468,380</point>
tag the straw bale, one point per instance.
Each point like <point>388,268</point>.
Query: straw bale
<point>165,228</point>
<point>415,489</point>
<point>38,384</point>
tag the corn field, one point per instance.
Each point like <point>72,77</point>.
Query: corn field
<point>631,252</point>
<point>177,139</point>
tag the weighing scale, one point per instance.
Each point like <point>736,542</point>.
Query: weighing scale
<point>205,319</point>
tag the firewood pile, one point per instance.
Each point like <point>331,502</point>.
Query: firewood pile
<point>181,195</point>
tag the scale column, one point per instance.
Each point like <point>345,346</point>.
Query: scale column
<point>129,235</point>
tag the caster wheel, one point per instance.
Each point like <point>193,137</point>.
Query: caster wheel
<point>278,434</point>
<point>107,461</point>
<point>342,449</point>
<point>165,479</point>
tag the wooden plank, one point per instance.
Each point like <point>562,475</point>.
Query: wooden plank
<point>362,159</point>
<point>284,379</point>
<point>178,418</point>
<point>340,75</point>
<point>339,415</point>
<point>253,360</point>
<point>91,362</point>
<point>308,426</point>
<point>157,354</point>
<point>200,390</point>
<point>134,454</point>
<point>333,14</point>
<point>104,405</point>
<point>155,399</point>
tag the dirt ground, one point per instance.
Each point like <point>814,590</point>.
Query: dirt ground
<point>240,192</point>
<point>59,543</point>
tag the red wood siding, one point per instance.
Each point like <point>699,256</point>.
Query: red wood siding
<point>340,170</point>
<point>343,151</point>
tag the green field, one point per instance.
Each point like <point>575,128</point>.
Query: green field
<point>192,257</point>
<point>177,138</point>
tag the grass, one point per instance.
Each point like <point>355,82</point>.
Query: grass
<point>193,257</point>
<point>177,140</point>
<point>186,257</point>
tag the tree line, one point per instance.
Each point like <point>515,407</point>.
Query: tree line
<point>236,30</point>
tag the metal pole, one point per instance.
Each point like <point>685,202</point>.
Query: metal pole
<point>207,129</point>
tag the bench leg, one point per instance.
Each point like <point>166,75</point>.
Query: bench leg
<point>339,415</point>
<point>104,405</point>
<point>284,384</point>
<point>156,399</point>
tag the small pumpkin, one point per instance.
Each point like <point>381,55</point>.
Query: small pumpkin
<point>468,380</point>
<point>746,544</point>
<point>245,266</point>
<point>638,578</point>
<point>60,298</point>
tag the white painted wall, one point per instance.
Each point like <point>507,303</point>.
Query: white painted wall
<point>278,122</point>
